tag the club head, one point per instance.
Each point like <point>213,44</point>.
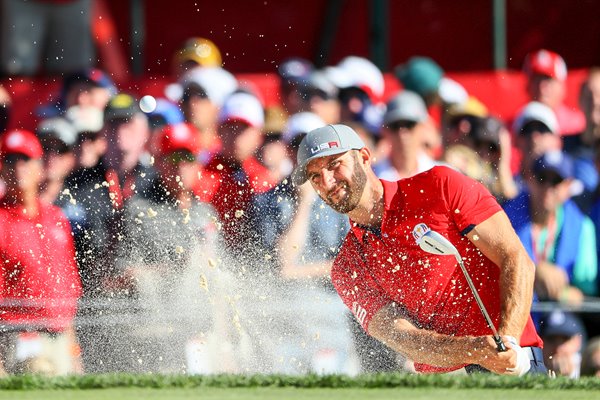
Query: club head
<point>432,242</point>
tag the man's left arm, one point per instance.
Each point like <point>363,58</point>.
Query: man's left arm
<point>497,240</point>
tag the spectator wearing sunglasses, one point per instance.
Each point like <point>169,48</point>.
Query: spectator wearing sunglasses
<point>406,125</point>
<point>559,238</point>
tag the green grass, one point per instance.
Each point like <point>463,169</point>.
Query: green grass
<point>267,393</point>
<point>329,387</point>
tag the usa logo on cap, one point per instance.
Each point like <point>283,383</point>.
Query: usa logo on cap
<point>324,146</point>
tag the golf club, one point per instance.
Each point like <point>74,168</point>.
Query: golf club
<point>434,243</point>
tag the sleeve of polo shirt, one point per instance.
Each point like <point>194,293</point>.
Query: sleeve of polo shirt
<point>355,285</point>
<point>468,201</point>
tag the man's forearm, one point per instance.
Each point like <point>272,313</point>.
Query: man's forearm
<point>516,288</point>
<point>427,347</point>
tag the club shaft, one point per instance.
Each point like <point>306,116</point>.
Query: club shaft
<point>477,298</point>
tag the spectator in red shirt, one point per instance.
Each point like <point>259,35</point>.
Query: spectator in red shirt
<point>417,303</point>
<point>39,280</point>
<point>546,82</point>
<point>236,173</point>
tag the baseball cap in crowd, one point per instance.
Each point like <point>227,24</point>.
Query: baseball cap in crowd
<point>214,83</point>
<point>536,111</point>
<point>165,113</point>
<point>554,162</point>
<point>358,72</point>
<point>486,131</point>
<point>244,107</point>
<point>405,106</point>
<point>420,74</point>
<point>22,142</point>
<point>546,63</point>
<point>452,92</point>
<point>200,50</point>
<point>59,128</point>
<point>178,137</point>
<point>300,123</point>
<point>121,107</point>
<point>319,84</point>
<point>295,70</point>
<point>471,106</point>
<point>561,323</point>
<point>92,76</point>
<point>321,142</point>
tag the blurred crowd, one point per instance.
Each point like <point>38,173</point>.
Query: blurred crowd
<point>164,235</point>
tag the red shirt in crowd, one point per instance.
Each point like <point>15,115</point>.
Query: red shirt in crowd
<point>230,189</point>
<point>38,273</point>
<point>374,269</point>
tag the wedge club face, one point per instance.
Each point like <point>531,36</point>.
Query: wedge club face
<point>434,243</point>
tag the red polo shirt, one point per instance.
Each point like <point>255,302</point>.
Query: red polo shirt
<point>375,269</point>
<point>38,270</point>
<point>230,189</point>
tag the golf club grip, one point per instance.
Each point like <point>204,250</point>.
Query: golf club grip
<point>499,344</point>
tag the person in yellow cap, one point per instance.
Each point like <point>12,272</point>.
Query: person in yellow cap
<point>196,51</point>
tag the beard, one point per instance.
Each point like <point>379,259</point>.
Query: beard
<point>353,191</point>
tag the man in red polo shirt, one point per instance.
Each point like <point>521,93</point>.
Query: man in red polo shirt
<point>417,303</point>
<point>39,280</point>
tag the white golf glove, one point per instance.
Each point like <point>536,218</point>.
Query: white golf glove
<point>523,361</point>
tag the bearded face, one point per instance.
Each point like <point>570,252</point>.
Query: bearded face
<point>346,194</point>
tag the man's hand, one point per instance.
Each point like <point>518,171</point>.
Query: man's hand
<point>550,280</point>
<point>514,361</point>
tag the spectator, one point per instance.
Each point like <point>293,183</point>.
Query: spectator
<point>536,132</point>
<point>38,271</point>
<point>33,31</point>
<point>58,138</point>
<point>204,91</point>
<point>99,192</point>
<point>196,52</point>
<point>294,74</point>
<point>81,90</point>
<point>404,124</point>
<point>581,146</point>
<point>559,238</point>
<point>590,361</point>
<point>169,239</point>
<point>546,73</point>
<point>322,97</point>
<point>361,87</point>
<point>423,76</point>
<point>564,336</point>
<point>236,172</point>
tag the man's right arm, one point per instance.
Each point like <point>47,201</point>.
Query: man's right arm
<point>428,347</point>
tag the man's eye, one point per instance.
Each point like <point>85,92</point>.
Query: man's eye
<point>334,164</point>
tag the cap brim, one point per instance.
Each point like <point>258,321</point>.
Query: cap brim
<point>299,174</point>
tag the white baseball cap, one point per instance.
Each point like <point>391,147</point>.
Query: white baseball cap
<point>536,111</point>
<point>244,107</point>
<point>299,123</point>
<point>217,82</point>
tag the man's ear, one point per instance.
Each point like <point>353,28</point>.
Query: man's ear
<point>365,156</point>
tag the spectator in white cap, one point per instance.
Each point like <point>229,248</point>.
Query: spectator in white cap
<point>361,87</point>
<point>238,174</point>
<point>536,130</point>
<point>405,123</point>
<point>204,90</point>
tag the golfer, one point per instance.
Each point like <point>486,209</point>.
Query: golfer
<point>419,303</point>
